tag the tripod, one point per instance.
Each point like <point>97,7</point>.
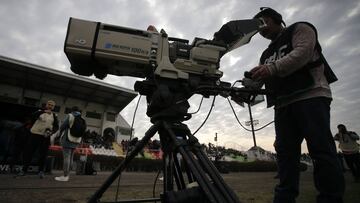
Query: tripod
<point>201,182</point>
<point>177,139</point>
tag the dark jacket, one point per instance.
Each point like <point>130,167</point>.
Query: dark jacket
<point>292,75</point>
<point>65,132</point>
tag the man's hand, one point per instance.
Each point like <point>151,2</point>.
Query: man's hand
<point>260,72</point>
<point>47,132</point>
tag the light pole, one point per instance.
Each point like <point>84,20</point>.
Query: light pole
<point>252,125</point>
<point>215,138</point>
<point>216,147</point>
<point>258,99</point>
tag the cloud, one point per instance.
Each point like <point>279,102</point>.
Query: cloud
<point>34,31</point>
<point>354,11</point>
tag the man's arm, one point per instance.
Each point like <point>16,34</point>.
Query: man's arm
<point>303,42</point>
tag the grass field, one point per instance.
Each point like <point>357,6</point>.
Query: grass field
<point>250,187</point>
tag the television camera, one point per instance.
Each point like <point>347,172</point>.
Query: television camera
<point>179,67</point>
<point>174,70</point>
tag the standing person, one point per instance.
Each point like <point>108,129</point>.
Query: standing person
<point>350,149</point>
<point>298,76</point>
<point>45,124</point>
<point>70,139</point>
<point>21,136</point>
<point>8,133</point>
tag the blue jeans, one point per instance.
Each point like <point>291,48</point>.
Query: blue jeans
<point>68,154</point>
<point>310,120</point>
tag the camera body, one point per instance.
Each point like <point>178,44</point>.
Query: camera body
<point>101,49</point>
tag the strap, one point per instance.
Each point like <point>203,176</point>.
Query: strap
<point>93,48</point>
<point>71,120</point>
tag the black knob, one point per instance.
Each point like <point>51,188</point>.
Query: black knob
<point>248,74</point>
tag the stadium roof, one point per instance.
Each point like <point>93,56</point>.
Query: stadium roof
<point>39,78</point>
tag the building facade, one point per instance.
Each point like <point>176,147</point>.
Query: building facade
<point>25,87</point>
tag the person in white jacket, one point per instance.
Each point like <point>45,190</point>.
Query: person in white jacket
<point>45,123</point>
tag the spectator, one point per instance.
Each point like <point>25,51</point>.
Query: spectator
<point>68,143</point>
<point>21,137</point>
<point>9,131</point>
<point>45,124</point>
<point>350,149</point>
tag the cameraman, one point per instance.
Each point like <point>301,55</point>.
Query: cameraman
<point>293,68</point>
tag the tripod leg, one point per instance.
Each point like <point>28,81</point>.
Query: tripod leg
<point>214,174</point>
<point>201,177</point>
<point>203,170</point>
<point>212,171</point>
<point>196,169</point>
<point>179,178</point>
<point>189,175</point>
<point>172,169</point>
<point>138,147</point>
<point>168,171</point>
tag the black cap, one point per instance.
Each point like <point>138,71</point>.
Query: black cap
<point>269,12</point>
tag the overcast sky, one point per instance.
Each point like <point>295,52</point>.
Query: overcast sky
<point>34,31</point>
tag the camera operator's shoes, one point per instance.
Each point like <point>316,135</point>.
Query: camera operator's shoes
<point>41,174</point>
<point>62,178</point>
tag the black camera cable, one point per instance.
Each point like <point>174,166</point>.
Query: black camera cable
<point>237,119</point>
<point>127,152</point>
<point>202,98</point>
<point>212,105</point>
<point>155,181</point>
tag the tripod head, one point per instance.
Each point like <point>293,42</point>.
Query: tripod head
<point>168,99</point>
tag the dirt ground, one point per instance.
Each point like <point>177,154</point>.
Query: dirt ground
<point>250,187</point>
